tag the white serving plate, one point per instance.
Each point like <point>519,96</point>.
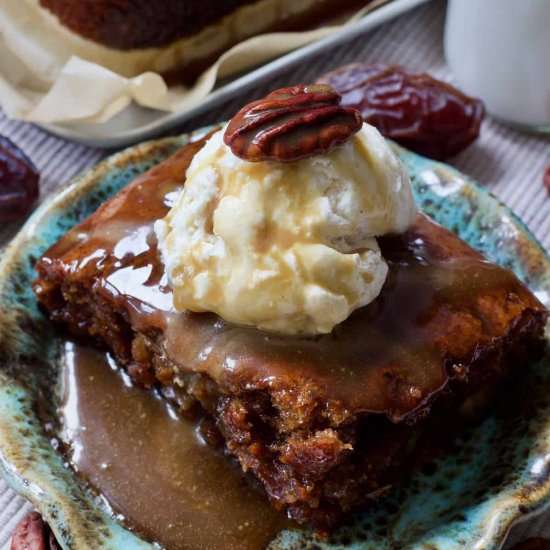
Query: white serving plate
<point>136,123</point>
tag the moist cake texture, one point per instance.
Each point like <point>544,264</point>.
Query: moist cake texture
<point>177,38</point>
<point>128,24</point>
<point>325,423</point>
<point>136,24</point>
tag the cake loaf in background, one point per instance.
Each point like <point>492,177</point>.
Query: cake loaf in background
<point>178,37</point>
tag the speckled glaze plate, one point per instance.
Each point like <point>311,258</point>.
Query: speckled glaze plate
<point>497,474</point>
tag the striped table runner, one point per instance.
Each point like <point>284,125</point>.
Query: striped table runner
<point>507,163</point>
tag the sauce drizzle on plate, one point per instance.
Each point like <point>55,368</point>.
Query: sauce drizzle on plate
<point>151,465</point>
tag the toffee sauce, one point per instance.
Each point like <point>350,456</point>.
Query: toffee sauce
<point>389,357</point>
<point>152,466</point>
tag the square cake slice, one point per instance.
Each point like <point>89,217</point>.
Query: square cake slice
<point>324,423</point>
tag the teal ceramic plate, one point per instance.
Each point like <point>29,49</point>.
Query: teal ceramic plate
<point>498,474</point>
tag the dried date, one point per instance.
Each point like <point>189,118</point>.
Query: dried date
<point>18,181</point>
<point>422,113</point>
<point>546,178</point>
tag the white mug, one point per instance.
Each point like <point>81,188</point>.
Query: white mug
<point>499,51</point>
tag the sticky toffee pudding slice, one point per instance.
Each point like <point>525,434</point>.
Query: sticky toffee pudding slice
<point>325,422</point>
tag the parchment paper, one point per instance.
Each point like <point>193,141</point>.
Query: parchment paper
<point>43,80</point>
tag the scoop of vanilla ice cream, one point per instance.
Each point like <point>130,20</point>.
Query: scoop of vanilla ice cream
<point>286,247</point>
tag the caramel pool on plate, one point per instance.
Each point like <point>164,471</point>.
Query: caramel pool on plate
<point>151,465</point>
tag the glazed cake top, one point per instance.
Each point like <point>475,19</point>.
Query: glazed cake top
<point>442,306</point>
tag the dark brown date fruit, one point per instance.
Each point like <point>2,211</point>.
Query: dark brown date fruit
<point>421,113</point>
<point>546,178</point>
<point>18,181</point>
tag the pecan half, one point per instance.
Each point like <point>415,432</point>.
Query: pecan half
<point>32,533</point>
<point>291,124</point>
